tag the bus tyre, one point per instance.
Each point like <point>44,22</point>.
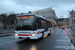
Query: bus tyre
<point>49,34</point>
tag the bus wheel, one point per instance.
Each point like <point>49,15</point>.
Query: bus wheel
<point>49,34</point>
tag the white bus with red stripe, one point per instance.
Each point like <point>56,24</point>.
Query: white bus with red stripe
<point>31,26</point>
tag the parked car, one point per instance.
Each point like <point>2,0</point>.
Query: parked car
<point>63,27</point>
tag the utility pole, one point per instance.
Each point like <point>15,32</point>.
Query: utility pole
<point>69,18</point>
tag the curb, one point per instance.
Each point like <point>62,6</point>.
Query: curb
<point>71,37</point>
<point>7,35</point>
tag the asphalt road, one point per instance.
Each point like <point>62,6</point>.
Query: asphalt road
<point>58,40</point>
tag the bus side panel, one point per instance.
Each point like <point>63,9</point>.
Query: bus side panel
<point>39,32</point>
<point>46,32</point>
<point>49,29</point>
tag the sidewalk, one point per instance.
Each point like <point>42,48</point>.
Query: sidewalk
<point>6,32</point>
<point>71,33</point>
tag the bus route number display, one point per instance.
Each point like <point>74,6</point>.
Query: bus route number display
<point>24,17</point>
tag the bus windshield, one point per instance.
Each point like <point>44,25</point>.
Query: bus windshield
<point>25,23</point>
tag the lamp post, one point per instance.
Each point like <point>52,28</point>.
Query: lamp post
<point>69,19</point>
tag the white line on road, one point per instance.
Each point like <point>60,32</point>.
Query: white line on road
<point>6,42</point>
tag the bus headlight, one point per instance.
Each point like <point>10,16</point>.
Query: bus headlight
<point>33,34</point>
<point>16,34</point>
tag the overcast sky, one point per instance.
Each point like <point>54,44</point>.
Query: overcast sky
<point>23,6</point>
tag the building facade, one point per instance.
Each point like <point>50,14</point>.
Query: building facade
<point>11,21</point>
<point>3,21</point>
<point>48,13</point>
<point>7,21</point>
<point>72,18</point>
<point>63,21</point>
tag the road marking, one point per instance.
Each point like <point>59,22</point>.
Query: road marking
<point>6,42</point>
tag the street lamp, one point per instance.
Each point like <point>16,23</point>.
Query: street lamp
<point>69,19</point>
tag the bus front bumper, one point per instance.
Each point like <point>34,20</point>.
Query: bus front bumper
<point>25,37</point>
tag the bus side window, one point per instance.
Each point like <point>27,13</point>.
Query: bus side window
<point>38,23</point>
<point>43,24</point>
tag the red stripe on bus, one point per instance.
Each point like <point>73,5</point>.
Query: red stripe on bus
<point>30,34</point>
<point>39,32</point>
<point>42,31</point>
<point>23,34</point>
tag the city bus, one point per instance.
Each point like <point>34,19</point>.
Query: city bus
<point>32,26</point>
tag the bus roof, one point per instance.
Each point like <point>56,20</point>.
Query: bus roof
<point>43,18</point>
<point>38,16</point>
<point>24,14</point>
